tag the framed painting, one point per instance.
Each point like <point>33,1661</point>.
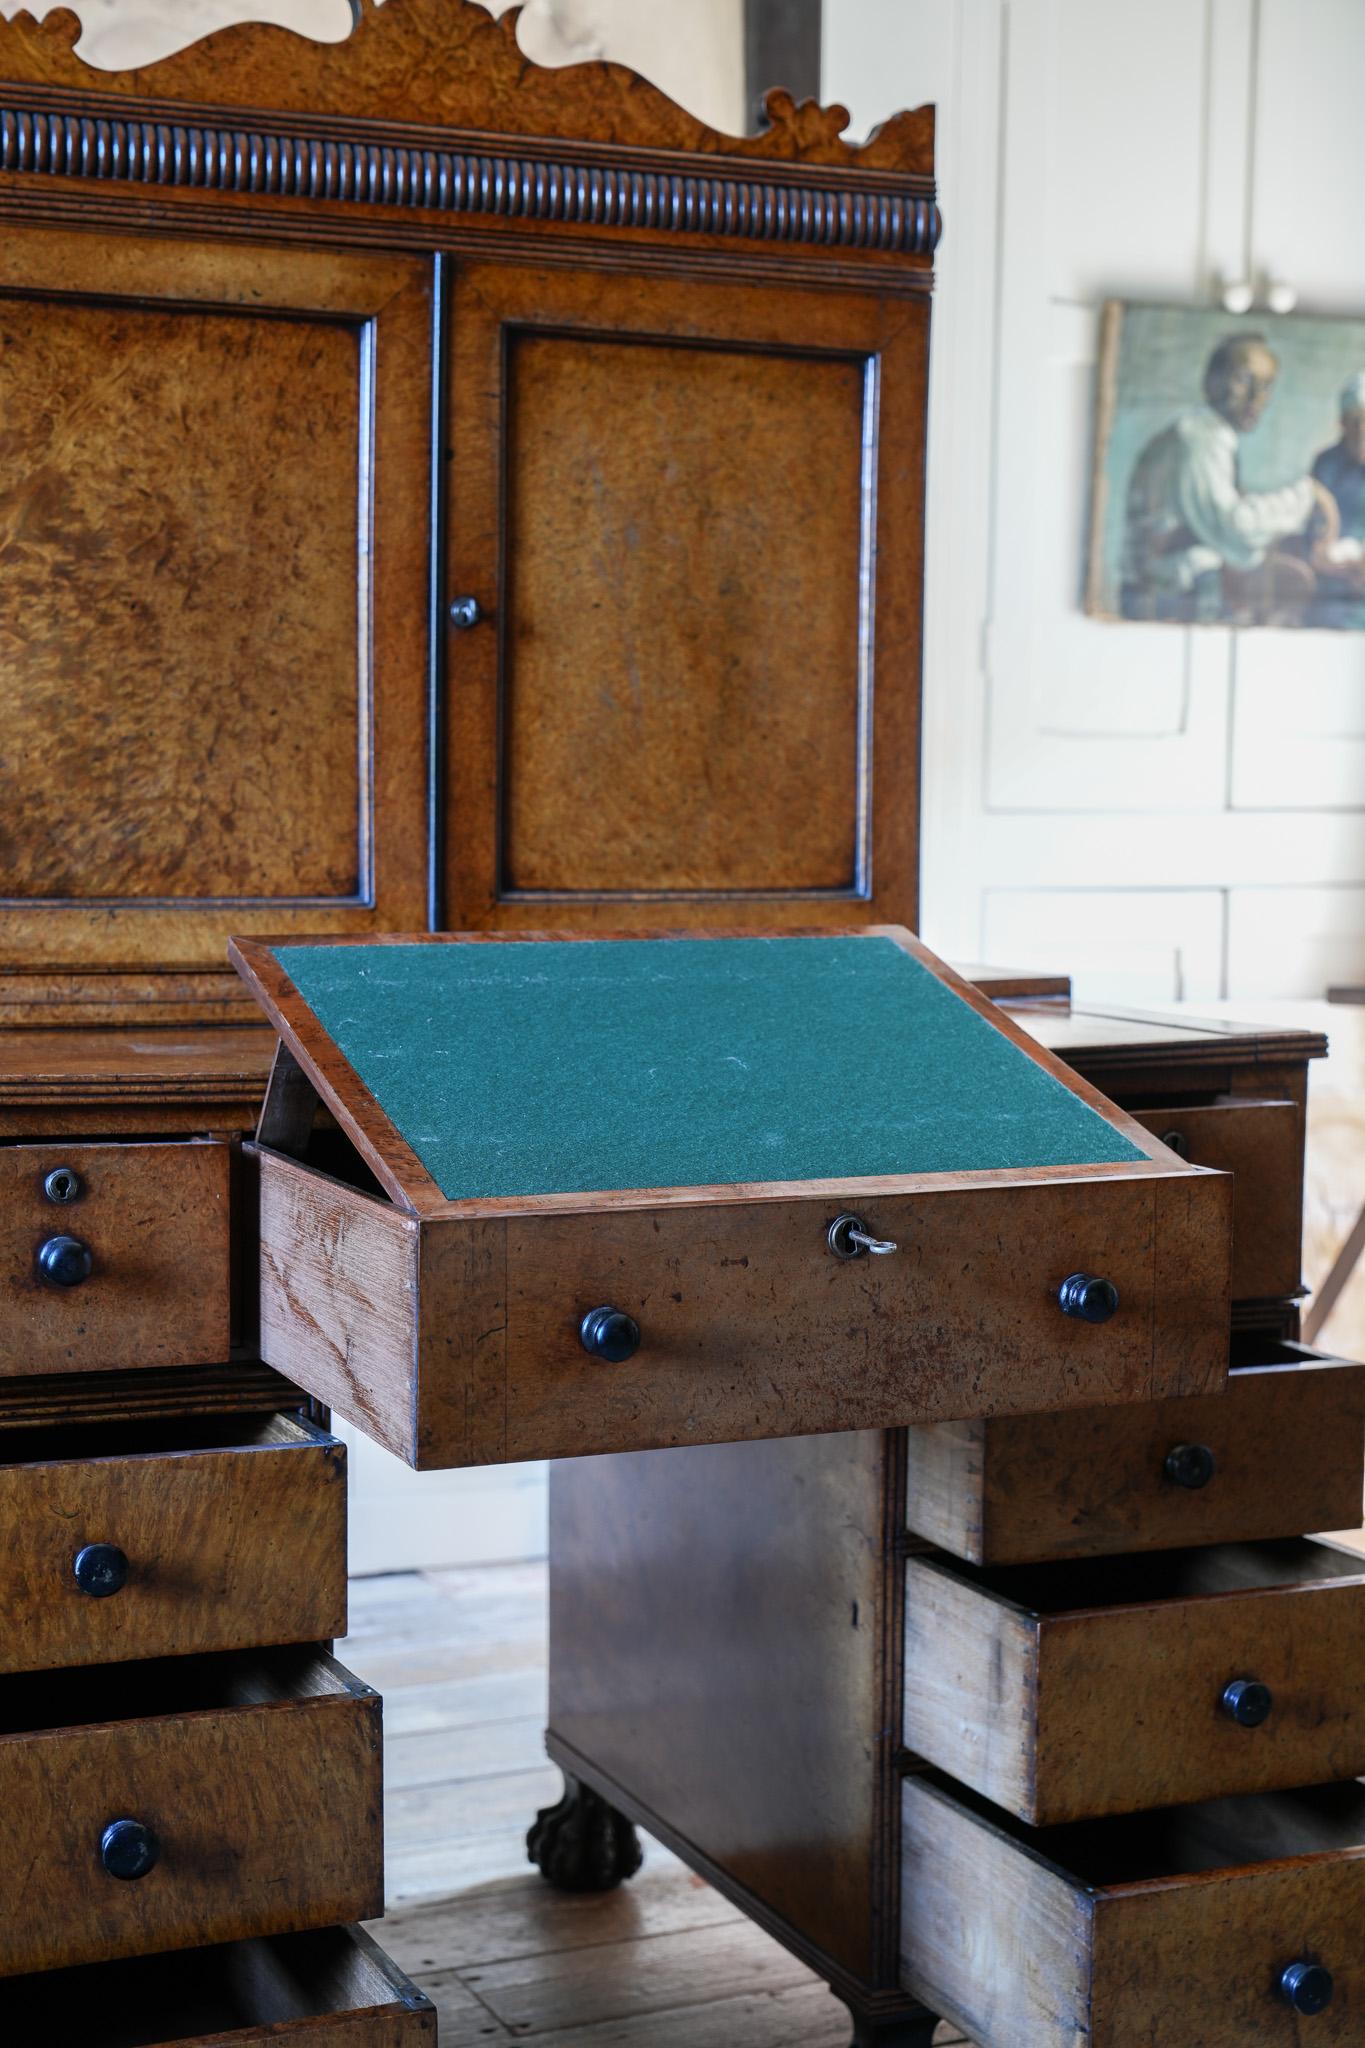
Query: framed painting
<point>1229,479</point>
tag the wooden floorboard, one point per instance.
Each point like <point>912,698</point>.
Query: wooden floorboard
<point>664,1961</point>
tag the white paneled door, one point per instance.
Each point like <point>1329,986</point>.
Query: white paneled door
<point>1166,811</point>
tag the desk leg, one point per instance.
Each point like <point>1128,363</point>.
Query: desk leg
<point>913,2028</point>
<point>582,1844</point>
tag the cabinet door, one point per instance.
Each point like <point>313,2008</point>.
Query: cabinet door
<point>666,504</point>
<point>213,580</point>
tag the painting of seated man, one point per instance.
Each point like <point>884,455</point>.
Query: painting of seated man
<point>1229,480</point>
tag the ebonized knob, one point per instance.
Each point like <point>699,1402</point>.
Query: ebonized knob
<point>100,1569</point>
<point>465,612</point>
<point>63,1184</point>
<point>129,1849</point>
<point>64,1261</point>
<point>611,1334</point>
<point>1247,1702</point>
<point>1088,1298</point>
<point>1190,1465</point>
<point>1307,1987</point>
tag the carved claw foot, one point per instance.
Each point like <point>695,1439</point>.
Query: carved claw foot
<point>582,1844</point>
<point>914,2028</point>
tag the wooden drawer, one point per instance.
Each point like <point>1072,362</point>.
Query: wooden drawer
<point>1261,1145</point>
<point>1063,1691</point>
<point>333,1989</point>
<point>217,1533</point>
<point>1176,1928</point>
<point>457,1341</point>
<point>1280,1453</point>
<point>147,1225</point>
<point>258,1776</point>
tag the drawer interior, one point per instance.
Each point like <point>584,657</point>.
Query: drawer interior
<point>163,1686</point>
<point>1188,1841</point>
<point>208,1993</point>
<point>75,1443</point>
<point>1077,1584</point>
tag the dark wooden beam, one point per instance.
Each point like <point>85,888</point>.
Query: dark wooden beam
<point>781,47</point>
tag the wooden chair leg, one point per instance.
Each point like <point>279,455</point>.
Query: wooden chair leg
<point>581,1844</point>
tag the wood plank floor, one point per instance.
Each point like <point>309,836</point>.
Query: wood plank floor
<point>460,1659</point>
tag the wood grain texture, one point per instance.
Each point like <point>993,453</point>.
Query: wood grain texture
<point>156,1220</point>
<point>242,1387</point>
<point>1288,1441</point>
<point>229,1546</point>
<point>261,1779</point>
<point>722,1634</point>
<point>1261,1145</point>
<point>332,1989</point>
<point>677,491</point>
<point>189,421</point>
<point>448,64</point>
<point>1059,1708</point>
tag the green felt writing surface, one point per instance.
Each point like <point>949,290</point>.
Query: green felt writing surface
<point>519,1068</point>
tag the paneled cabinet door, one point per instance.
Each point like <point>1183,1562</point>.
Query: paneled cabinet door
<point>213,578</point>
<point>684,538</point>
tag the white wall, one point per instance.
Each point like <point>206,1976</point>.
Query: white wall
<point>1168,813</point>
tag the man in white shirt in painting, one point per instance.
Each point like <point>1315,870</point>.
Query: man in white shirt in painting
<point>1189,519</point>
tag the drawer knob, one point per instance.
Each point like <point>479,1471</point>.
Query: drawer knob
<point>1190,1465</point>
<point>63,1184</point>
<point>1307,1987</point>
<point>65,1261</point>
<point>611,1334</point>
<point>101,1569</point>
<point>129,1849</point>
<point>1247,1702</point>
<point>1088,1298</point>
<point>465,613</point>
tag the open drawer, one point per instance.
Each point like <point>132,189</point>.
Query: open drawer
<point>114,1255</point>
<point>167,1537</point>
<point>1279,1452</point>
<point>1222,1925</point>
<point>1260,1143</point>
<point>149,1807</point>
<point>333,1989</point>
<point>1063,1691</point>
<point>610,1195</point>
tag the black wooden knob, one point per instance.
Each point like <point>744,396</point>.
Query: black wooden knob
<point>1247,1702</point>
<point>129,1849</point>
<point>1307,1987</point>
<point>64,1261</point>
<point>1190,1465</point>
<point>100,1569</point>
<point>62,1185</point>
<point>1088,1298</point>
<point>611,1334</point>
<point>464,613</point>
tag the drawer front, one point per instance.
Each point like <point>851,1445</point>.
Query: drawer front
<point>1248,1677</point>
<point>332,1989</point>
<point>1280,1453</point>
<point>263,1795</point>
<point>167,1539</point>
<point>1103,1937</point>
<point>140,1237</point>
<point>1261,1145</point>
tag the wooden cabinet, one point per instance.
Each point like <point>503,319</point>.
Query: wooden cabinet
<point>162,1538</point>
<point>1261,1144</point>
<point>246,1790</point>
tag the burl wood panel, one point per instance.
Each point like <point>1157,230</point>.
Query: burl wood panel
<point>675,499</point>
<point>267,1805</point>
<point>1060,1715</point>
<point>178,540</point>
<point>1261,1145</point>
<point>333,1988</point>
<point>228,1547</point>
<point>156,1221</point>
<point>1288,1443</point>
<point>721,1632</point>
<point>684,551</point>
